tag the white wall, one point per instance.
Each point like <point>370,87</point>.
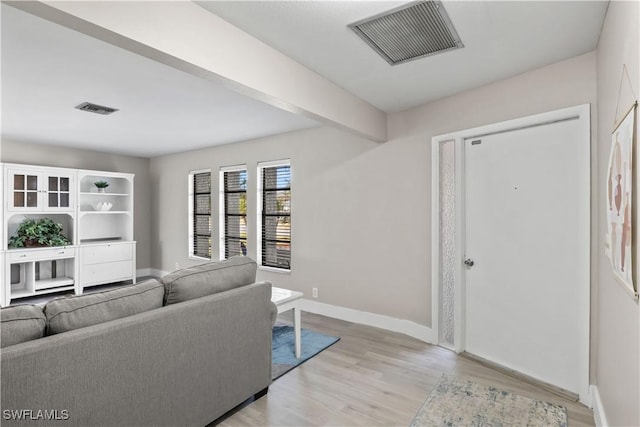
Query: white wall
<point>49,155</point>
<point>618,315</point>
<point>361,214</point>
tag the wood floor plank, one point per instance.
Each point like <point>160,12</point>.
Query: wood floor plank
<point>373,377</point>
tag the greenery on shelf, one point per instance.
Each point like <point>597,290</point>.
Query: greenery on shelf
<point>38,232</point>
<point>101,184</point>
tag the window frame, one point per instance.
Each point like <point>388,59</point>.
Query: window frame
<point>191,218</point>
<point>222,207</point>
<point>259,208</point>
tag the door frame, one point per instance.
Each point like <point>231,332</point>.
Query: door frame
<point>580,113</point>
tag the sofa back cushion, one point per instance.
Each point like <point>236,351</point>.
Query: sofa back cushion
<point>66,314</point>
<point>21,323</point>
<point>209,278</point>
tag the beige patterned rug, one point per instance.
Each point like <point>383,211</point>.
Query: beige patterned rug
<point>460,402</point>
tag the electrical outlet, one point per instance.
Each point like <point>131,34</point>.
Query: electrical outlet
<point>314,292</point>
<point>177,266</point>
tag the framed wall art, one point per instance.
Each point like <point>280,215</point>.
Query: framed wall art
<point>620,202</point>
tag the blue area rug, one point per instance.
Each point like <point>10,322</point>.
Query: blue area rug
<point>283,348</point>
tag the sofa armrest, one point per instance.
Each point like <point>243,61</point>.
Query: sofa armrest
<point>274,313</point>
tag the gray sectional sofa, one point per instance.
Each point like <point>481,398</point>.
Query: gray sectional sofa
<point>180,352</point>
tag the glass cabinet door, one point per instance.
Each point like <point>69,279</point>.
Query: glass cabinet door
<point>24,190</point>
<point>40,191</point>
<point>58,192</point>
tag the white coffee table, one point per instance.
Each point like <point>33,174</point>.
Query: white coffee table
<point>287,300</point>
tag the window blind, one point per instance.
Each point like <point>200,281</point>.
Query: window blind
<point>201,221</point>
<point>276,216</point>
<point>235,212</point>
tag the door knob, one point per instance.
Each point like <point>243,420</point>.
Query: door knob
<point>469,262</point>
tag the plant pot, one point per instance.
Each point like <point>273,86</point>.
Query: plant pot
<point>100,190</point>
<point>33,244</point>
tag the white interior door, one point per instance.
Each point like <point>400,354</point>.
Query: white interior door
<point>527,232</point>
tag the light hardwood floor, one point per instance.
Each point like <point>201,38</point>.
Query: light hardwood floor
<point>373,377</point>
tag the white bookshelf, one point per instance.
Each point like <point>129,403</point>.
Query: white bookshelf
<point>105,237</point>
<point>102,248</point>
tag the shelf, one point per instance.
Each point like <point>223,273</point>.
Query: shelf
<point>41,214</point>
<point>21,293</point>
<point>104,212</point>
<point>53,283</point>
<point>100,240</point>
<point>52,290</point>
<point>105,194</point>
<point>58,288</point>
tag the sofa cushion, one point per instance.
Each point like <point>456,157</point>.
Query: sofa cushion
<point>21,323</point>
<point>66,314</point>
<point>207,279</point>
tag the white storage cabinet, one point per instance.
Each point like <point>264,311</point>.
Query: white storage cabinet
<point>102,249</point>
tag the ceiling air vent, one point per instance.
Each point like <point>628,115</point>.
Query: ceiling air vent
<point>95,108</point>
<point>409,32</point>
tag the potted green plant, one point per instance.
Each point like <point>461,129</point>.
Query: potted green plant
<point>38,233</point>
<point>102,185</point>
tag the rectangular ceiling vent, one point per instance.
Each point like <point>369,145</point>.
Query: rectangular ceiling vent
<point>95,108</point>
<point>409,32</point>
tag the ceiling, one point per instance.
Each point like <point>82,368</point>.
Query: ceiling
<point>48,69</point>
<point>501,39</point>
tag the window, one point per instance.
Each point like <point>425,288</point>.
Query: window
<point>200,214</point>
<point>233,211</point>
<point>274,201</point>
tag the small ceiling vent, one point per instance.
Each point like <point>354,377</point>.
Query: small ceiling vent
<point>95,108</point>
<point>410,32</point>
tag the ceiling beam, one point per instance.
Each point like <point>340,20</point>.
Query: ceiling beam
<point>185,36</point>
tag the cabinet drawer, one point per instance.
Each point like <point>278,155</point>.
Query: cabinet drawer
<point>104,273</point>
<point>39,254</point>
<point>107,253</point>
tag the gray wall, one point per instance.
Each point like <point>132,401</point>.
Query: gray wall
<point>361,210</point>
<point>618,315</point>
<point>358,232</point>
<point>48,155</point>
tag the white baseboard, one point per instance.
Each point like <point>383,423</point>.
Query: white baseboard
<point>143,272</point>
<point>407,327</point>
<point>598,409</point>
<point>153,272</point>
